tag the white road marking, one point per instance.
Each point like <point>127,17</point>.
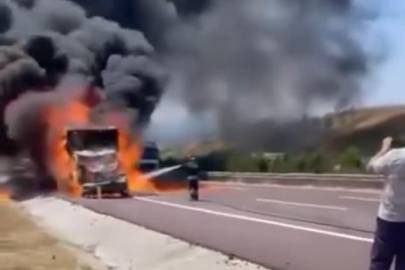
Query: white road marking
<point>303,204</point>
<point>307,187</point>
<point>359,199</point>
<point>257,220</point>
<point>236,188</point>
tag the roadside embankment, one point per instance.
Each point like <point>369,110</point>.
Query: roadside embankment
<point>23,245</point>
<point>123,246</point>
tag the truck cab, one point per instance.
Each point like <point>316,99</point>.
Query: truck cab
<point>150,159</point>
<point>94,154</point>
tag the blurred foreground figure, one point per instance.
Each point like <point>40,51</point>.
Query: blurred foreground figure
<point>389,240</point>
<point>192,170</point>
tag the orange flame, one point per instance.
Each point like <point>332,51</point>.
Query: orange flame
<point>58,119</point>
<point>129,154</point>
<point>75,113</point>
<point>5,196</point>
<point>130,151</point>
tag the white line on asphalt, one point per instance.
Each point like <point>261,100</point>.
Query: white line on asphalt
<point>257,220</point>
<point>236,188</point>
<point>359,199</point>
<point>307,187</point>
<point>303,204</point>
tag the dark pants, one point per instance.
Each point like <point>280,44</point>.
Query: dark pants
<point>193,186</point>
<point>389,243</point>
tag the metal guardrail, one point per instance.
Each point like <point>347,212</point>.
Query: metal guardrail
<point>344,180</point>
<point>295,175</point>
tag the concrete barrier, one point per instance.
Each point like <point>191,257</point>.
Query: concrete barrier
<point>326,180</point>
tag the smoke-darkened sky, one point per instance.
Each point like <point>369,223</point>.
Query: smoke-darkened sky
<point>237,61</point>
<point>249,61</point>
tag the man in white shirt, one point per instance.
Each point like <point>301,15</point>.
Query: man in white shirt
<point>389,240</point>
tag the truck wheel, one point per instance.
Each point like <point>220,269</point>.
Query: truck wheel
<point>125,194</point>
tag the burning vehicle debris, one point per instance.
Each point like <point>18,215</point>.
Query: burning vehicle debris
<point>57,69</point>
<point>94,154</point>
<point>150,160</point>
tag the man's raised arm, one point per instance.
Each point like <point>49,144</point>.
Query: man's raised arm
<point>378,163</point>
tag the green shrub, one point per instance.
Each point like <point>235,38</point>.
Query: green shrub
<point>241,162</point>
<point>317,163</point>
<point>351,159</point>
<point>170,161</point>
<point>263,165</point>
<point>214,161</point>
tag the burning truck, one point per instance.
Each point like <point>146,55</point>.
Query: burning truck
<point>93,152</point>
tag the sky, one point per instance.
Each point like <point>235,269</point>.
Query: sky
<point>388,83</point>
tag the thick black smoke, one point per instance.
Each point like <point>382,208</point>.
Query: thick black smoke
<point>155,18</point>
<point>53,52</point>
<point>18,73</point>
<point>252,61</point>
<point>124,77</point>
<point>245,62</point>
<point>50,40</point>
<point>270,62</point>
<point>5,18</point>
<point>28,4</point>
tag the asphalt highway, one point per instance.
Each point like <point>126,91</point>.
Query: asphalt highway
<point>279,227</point>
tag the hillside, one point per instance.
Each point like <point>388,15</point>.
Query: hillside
<point>365,127</point>
<point>200,148</point>
<point>361,119</point>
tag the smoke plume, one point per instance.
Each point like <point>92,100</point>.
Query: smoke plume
<point>46,41</point>
<point>257,66</point>
<point>275,61</point>
<point>256,61</point>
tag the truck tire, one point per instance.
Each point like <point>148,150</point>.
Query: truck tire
<point>125,194</point>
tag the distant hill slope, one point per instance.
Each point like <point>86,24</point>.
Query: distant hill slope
<point>359,119</point>
<point>365,127</point>
<point>199,148</point>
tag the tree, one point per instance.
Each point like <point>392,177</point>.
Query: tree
<point>263,165</point>
<point>214,161</point>
<point>241,162</point>
<point>301,163</point>
<point>316,163</point>
<point>351,158</point>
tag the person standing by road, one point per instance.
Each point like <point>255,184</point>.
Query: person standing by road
<point>192,178</point>
<point>389,240</point>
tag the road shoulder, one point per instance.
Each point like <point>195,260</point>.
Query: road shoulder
<point>24,245</point>
<point>121,245</point>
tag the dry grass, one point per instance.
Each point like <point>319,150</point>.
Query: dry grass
<point>369,117</point>
<point>365,128</point>
<point>23,246</point>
